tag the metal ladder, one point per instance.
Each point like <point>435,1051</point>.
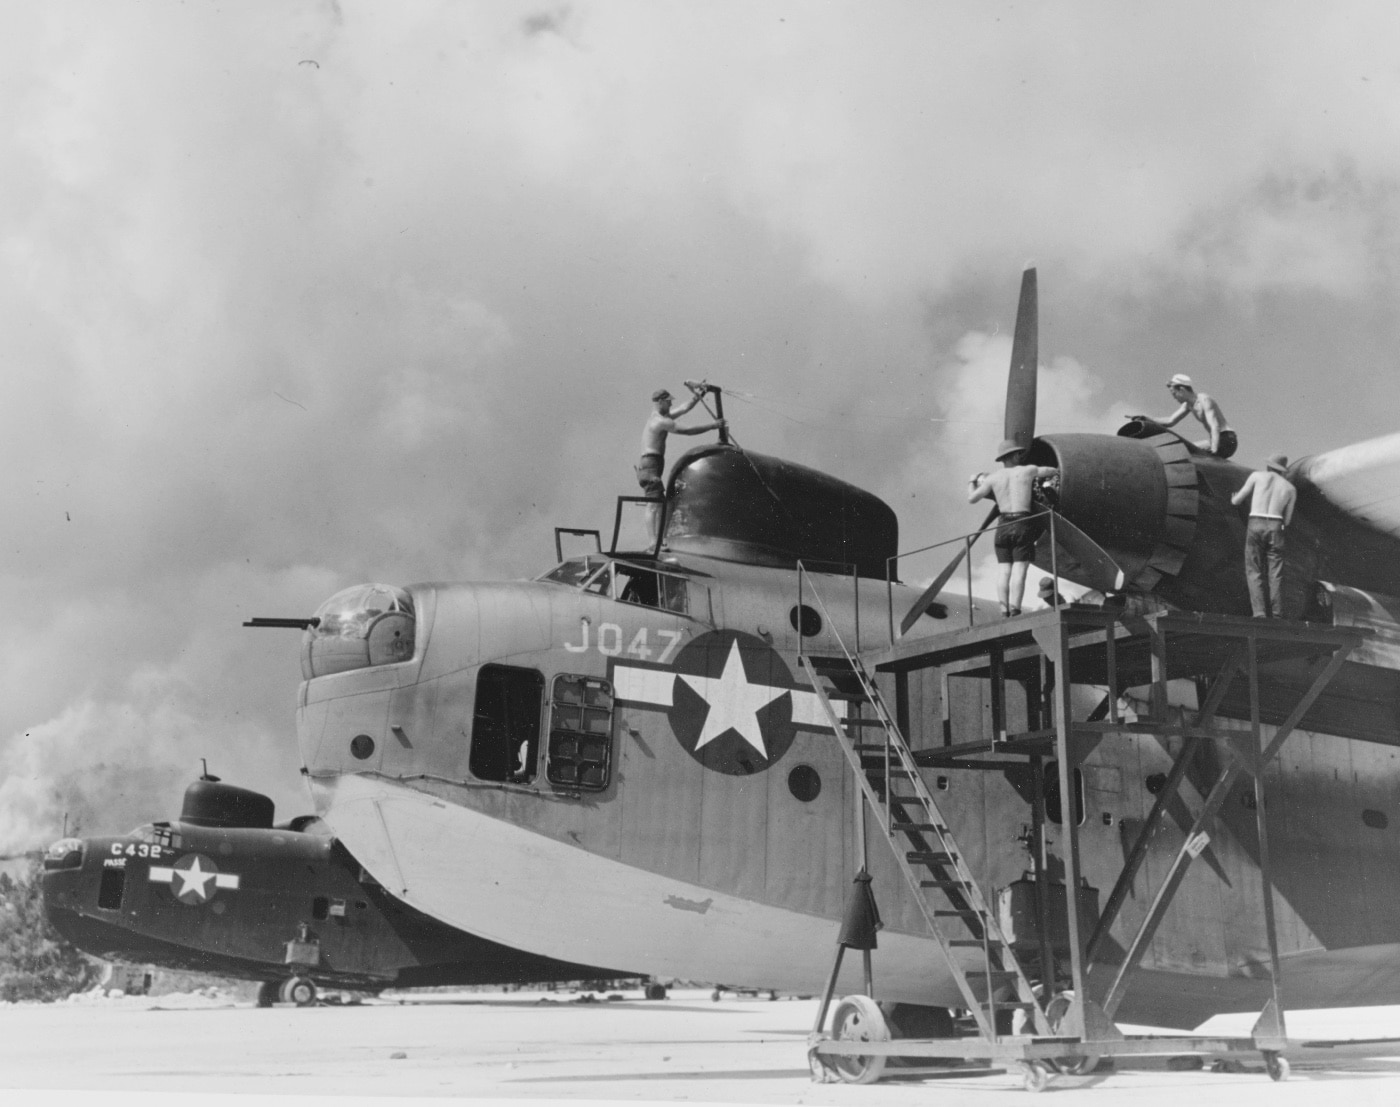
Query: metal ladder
<point>924,848</point>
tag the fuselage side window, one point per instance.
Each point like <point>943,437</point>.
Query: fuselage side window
<point>506,724</point>
<point>580,733</point>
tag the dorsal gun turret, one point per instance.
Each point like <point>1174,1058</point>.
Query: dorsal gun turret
<point>741,506</point>
<point>210,802</point>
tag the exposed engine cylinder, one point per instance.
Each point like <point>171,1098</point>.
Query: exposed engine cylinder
<point>210,802</point>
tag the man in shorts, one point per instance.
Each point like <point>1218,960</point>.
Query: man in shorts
<point>1222,442</point>
<point>660,423</point>
<point>1013,490</point>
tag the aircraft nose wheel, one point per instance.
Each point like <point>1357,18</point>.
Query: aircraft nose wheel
<point>858,1019</point>
<point>298,990</point>
<point>1276,1066</point>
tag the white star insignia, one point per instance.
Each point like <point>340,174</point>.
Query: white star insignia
<point>194,879</point>
<point>734,702</point>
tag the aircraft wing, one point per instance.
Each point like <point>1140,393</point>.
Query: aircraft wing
<point>1362,481</point>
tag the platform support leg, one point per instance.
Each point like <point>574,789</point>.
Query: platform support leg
<point>1053,640</point>
<point>1262,824</point>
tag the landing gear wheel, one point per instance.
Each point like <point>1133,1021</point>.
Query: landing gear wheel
<point>298,990</point>
<point>655,990</point>
<point>1037,1076</point>
<point>1055,1012</point>
<point>858,1019</point>
<point>267,993</point>
<point>1276,1066</point>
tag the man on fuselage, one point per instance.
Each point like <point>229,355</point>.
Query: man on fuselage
<point>1013,490</point>
<point>660,423</point>
<point>1271,499</point>
<point>1222,441</point>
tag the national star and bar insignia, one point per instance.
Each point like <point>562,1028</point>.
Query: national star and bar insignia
<point>193,879</point>
<point>730,698</point>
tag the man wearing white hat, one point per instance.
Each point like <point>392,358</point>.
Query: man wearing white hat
<point>1271,499</point>
<point>1222,442</point>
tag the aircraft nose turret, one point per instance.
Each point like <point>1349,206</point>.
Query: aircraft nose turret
<point>64,882</point>
<point>359,627</point>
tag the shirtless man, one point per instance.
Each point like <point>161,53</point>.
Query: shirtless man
<point>1013,489</point>
<point>1271,498</point>
<point>1222,442</point>
<point>660,423</point>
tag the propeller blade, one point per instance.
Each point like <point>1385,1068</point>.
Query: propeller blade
<point>1099,569</point>
<point>1025,357</point>
<point>925,600</point>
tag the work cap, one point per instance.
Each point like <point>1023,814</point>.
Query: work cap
<point>1047,585</point>
<point>1181,379</point>
<point>1008,447</point>
<point>660,394</point>
<point>1278,463</point>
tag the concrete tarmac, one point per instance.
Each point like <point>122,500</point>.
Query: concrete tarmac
<point>536,1046</point>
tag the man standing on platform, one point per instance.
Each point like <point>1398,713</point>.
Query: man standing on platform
<point>1271,499</point>
<point>660,423</point>
<point>1013,489</point>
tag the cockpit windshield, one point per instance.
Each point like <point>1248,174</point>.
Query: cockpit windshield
<point>369,624</point>
<point>630,582</point>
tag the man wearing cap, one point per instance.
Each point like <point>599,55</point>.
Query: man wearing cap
<point>1013,489</point>
<point>660,423</point>
<point>1271,498</point>
<point>1222,442</point>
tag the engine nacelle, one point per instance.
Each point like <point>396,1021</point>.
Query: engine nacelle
<point>1160,507</point>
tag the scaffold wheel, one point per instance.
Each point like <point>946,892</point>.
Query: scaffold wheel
<point>858,1019</point>
<point>1037,1076</point>
<point>1070,1066</point>
<point>1275,1065</point>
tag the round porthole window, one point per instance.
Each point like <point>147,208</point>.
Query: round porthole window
<point>361,746</point>
<point>805,620</point>
<point>804,783</point>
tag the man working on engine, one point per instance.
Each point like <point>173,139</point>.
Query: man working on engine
<point>1013,490</point>
<point>1222,441</point>
<point>1271,499</point>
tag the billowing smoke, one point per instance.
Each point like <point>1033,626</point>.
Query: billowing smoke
<point>295,295</point>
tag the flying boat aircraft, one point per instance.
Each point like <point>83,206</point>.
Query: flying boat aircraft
<point>646,755</point>
<point>223,890</point>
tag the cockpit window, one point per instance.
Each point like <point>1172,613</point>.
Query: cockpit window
<point>369,624</point>
<point>631,583</point>
<point>574,571</point>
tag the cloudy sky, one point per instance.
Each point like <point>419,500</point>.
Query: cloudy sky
<point>296,295</point>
